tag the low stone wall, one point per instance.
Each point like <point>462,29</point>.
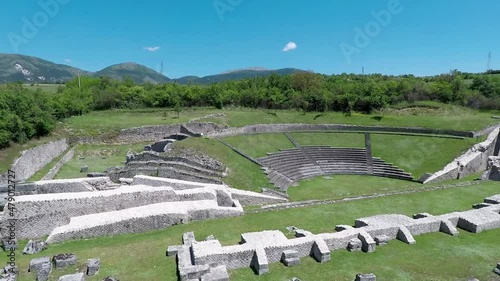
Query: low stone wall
<point>256,249</point>
<point>281,128</point>
<point>38,215</point>
<point>69,185</point>
<point>203,129</point>
<point>54,170</point>
<point>245,198</point>
<point>188,158</point>
<point>34,159</point>
<point>147,133</point>
<point>473,161</point>
<point>141,219</point>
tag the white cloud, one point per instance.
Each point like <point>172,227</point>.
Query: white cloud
<point>290,46</point>
<point>67,60</point>
<point>152,49</point>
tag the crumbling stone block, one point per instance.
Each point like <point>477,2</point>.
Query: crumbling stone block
<point>188,238</point>
<point>368,244</point>
<point>9,244</point>
<point>72,277</point>
<point>37,264</point>
<point>84,169</point>
<point>302,233</point>
<point>44,272</point>
<point>320,251</point>
<point>93,266</point>
<point>34,247</point>
<point>259,262</point>
<point>354,245</point>
<point>497,269</point>
<point>481,205</point>
<point>381,240</point>
<point>64,260</point>
<point>405,235</point>
<point>9,273</point>
<point>448,227</point>
<point>342,227</point>
<point>290,258</point>
<point>173,250</point>
<point>110,278</point>
<point>218,273</point>
<point>366,277</point>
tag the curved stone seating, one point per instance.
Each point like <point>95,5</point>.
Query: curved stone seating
<point>293,164</point>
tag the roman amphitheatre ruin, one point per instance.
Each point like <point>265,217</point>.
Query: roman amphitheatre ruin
<point>212,229</point>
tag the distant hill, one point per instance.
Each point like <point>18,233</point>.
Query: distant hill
<point>235,75</point>
<point>34,70</point>
<point>29,69</point>
<point>138,73</point>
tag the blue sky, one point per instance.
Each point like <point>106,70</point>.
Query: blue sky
<point>206,37</point>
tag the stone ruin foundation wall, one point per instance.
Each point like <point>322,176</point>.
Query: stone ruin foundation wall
<point>90,207</point>
<point>155,133</point>
<point>256,249</point>
<point>34,159</point>
<point>245,198</point>
<point>39,214</point>
<point>54,170</point>
<point>281,128</point>
<point>473,161</point>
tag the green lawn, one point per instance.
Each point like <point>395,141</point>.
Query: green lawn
<point>457,119</point>
<point>112,121</point>
<point>97,157</point>
<point>342,186</point>
<point>99,122</point>
<point>435,256</point>
<point>418,155</point>
<point>259,145</point>
<point>333,139</point>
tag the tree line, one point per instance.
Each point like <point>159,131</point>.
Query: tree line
<point>26,113</point>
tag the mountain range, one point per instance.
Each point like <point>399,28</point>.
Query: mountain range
<point>28,69</point>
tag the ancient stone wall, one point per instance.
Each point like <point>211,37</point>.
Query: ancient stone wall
<point>204,129</point>
<point>256,249</point>
<point>147,133</point>
<point>280,128</point>
<point>54,170</point>
<point>34,159</point>
<point>473,161</point>
<point>38,215</point>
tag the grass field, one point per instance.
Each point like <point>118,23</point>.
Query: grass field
<point>97,157</point>
<point>259,145</point>
<point>332,139</point>
<point>99,122</point>
<point>435,256</point>
<point>342,186</point>
<point>418,155</point>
